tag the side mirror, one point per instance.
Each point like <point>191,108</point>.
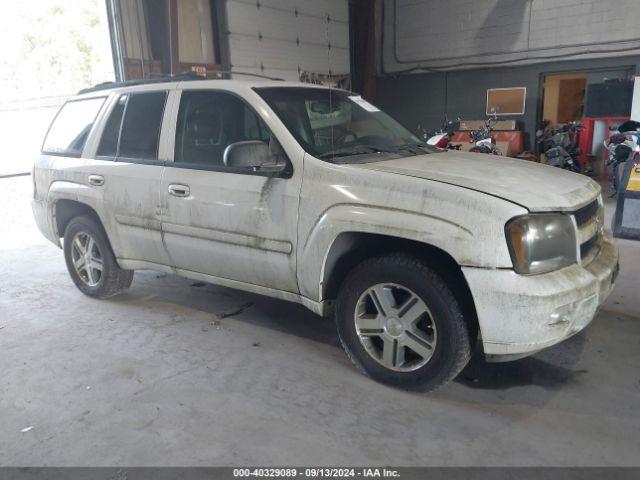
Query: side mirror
<point>255,155</point>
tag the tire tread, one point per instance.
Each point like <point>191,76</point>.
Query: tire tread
<point>117,279</point>
<point>404,261</point>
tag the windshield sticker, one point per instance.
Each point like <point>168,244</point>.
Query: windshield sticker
<point>357,99</point>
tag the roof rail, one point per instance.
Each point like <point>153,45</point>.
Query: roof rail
<point>248,74</point>
<point>163,78</point>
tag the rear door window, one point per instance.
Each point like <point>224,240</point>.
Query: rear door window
<point>140,133</point>
<point>111,135</point>
<point>69,131</point>
<point>133,128</point>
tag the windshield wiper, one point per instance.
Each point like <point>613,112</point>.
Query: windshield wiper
<point>355,150</point>
<point>417,148</point>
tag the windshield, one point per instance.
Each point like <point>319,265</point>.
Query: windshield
<point>340,126</point>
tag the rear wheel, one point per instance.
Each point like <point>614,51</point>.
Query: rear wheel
<point>400,323</point>
<point>90,260</point>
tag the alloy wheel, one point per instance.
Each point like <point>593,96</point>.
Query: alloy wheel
<point>395,327</point>
<point>87,258</point>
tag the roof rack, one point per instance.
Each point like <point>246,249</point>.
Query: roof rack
<point>163,78</point>
<point>248,74</point>
<point>143,81</point>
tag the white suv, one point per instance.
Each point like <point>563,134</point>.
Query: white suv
<point>313,195</point>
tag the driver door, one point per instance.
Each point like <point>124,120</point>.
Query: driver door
<point>231,223</point>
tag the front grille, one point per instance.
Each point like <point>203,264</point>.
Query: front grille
<point>586,213</point>
<point>587,247</point>
<point>589,230</point>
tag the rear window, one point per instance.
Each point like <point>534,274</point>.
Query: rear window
<point>69,131</point>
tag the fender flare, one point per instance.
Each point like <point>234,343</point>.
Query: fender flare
<point>454,239</point>
<point>78,192</point>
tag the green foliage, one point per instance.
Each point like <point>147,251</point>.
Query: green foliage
<point>53,47</point>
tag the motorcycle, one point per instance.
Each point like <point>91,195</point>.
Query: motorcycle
<point>484,141</point>
<point>442,137</point>
<point>621,145</point>
<point>560,145</point>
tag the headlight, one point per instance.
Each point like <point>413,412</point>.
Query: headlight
<point>540,243</point>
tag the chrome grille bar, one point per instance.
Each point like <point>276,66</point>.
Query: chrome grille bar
<point>590,230</point>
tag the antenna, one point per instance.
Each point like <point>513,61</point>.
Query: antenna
<point>329,77</point>
<point>170,40</point>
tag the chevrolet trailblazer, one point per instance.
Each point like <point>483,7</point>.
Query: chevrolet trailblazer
<point>314,195</point>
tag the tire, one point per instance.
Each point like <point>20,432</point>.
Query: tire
<point>98,274</point>
<point>443,324</point>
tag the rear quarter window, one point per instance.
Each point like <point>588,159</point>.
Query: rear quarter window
<point>69,131</point>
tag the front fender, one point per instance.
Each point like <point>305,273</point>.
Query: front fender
<point>457,240</point>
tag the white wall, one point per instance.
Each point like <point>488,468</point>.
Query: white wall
<point>23,124</point>
<point>280,38</point>
<point>474,33</point>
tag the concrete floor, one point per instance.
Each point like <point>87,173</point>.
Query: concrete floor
<point>161,376</point>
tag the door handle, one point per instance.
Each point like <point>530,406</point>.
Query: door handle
<point>178,190</point>
<point>96,180</point>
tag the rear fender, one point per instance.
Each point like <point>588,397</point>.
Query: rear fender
<point>78,192</point>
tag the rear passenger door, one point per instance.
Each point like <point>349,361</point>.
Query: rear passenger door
<point>127,167</point>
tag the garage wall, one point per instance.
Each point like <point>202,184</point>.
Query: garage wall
<point>475,33</point>
<point>282,38</point>
<point>425,98</point>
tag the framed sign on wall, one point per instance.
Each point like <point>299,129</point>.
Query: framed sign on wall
<point>506,101</point>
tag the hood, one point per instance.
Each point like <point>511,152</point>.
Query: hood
<point>532,185</point>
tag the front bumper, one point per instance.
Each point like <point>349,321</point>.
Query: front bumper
<point>520,315</point>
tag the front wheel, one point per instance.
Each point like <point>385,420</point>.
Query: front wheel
<point>90,260</point>
<point>400,323</point>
